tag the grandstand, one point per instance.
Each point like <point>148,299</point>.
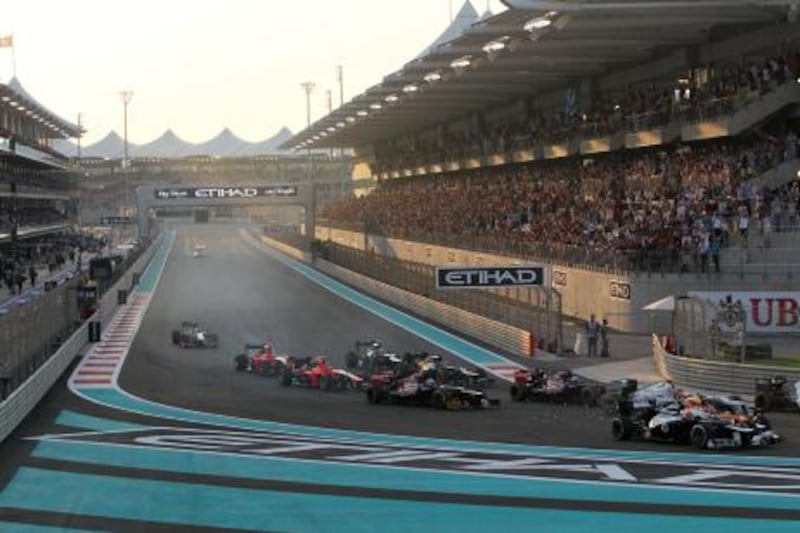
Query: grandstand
<point>610,140</point>
<point>36,182</point>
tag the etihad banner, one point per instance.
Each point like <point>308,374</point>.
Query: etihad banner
<point>766,311</point>
<point>206,193</point>
<point>487,277</point>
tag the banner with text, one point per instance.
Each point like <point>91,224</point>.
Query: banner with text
<point>206,193</point>
<point>767,311</point>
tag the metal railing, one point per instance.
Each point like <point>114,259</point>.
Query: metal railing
<point>32,333</point>
<point>537,310</point>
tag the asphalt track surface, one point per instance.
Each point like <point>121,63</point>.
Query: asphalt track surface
<point>244,295</point>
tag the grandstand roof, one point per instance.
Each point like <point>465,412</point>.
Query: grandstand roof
<point>539,49</point>
<point>15,95</point>
<point>170,146</point>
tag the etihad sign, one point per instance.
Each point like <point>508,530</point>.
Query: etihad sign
<point>225,192</point>
<point>474,277</point>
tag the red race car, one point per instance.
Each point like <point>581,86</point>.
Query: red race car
<point>259,359</point>
<point>315,373</point>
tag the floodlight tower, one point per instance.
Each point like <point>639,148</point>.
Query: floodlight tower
<point>126,97</point>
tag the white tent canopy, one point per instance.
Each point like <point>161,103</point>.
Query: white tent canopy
<point>664,304</point>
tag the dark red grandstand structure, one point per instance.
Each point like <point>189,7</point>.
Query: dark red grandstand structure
<point>639,148</point>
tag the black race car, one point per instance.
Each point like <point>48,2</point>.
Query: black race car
<point>560,386</point>
<point>192,335</point>
<point>704,422</point>
<point>777,394</point>
<point>423,388</point>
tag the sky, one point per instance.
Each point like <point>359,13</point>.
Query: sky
<point>198,66</point>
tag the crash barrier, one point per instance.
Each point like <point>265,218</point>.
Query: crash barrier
<point>289,250</point>
<point>30,333</point>
<point>24,398</point>
<point>509,338</point>
<point>714,376</point>
<point>533,309</point>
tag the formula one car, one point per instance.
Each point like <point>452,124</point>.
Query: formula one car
<point>199,250</point>
<point>369,358</point>
<point>777,394</point>
<point>422,388</point>
<point>363,352</point>
<point>258,359</point>
<point>704,422</point>
<point>561,386</point>
<point>192,335</point>
<point>315,373</point>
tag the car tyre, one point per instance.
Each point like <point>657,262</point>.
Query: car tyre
<point>240,362</point>
<point>518,392</point>
<point>373,397</point>
<point>439,401</point>
<point>351,360</point>
<point>763,402</point>
<point>620,430</point>
<point>699,437</point>
<point>176,336</point>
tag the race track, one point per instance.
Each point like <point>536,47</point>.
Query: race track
<point>183,423</point>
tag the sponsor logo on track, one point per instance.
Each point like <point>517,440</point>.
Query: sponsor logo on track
<point>784,480</point>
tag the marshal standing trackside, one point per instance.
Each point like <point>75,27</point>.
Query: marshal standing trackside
<point>479,277</point>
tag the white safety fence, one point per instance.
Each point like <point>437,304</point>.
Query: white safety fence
<point>714,376</point>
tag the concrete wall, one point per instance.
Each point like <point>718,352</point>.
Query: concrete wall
<point>616,296</point>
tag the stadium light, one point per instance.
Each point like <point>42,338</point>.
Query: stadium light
<point>6,98</point>
<point>541,22</point>
<point>497,45</point>
<point>315,137</point>
<point>362,112</point>
<point>323,134</point>
<point>392,98</point>
<point>20,108</point>
<point>410,88</point>
<point>340,124</point>
<point>350,119</point>
<point>461,62</point>
<point>375,106</point>
<point>330,129</point>
<point>433,76</point>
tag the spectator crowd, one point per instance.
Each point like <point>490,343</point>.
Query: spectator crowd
<point>704,93</point>
<point>655,208</point>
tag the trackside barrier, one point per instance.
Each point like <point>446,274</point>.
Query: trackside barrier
<point>21,401</point>
<point>497,334</point>
<point>288,250</point>
<point>713,376</point>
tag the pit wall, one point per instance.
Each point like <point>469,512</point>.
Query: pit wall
<point>619,297</point>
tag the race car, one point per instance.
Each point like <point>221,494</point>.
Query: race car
<point>199,250</point>
<point>560,386</point>
<point>192,335</point>
<point>315,373</point>
<point>777,394</point>
<point>422,388</point>
<point>704,422</point>
<point>363,352</point>
<point>258,359</point>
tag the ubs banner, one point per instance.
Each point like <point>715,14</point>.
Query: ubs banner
<point>767,311</point>
<point>207,193</point>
